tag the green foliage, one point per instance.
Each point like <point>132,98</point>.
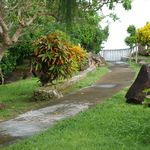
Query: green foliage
<point>127,4</point>
<point>131,30</point>
<point>15,55</point>
<point>17,97</point>
<point>131,40</point>
<point>8,63</point>
<point>55,57</point>
<point>141,36</point>
<point>21,50</point>
<point>69,9</point>
<point>89,33</point>
<point>146,90</point>
<point>52,15</point>
<point>147,97</point>
<point>24,48</point>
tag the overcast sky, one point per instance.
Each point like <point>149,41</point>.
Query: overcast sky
<point>138,16</point>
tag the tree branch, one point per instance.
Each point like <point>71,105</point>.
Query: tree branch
<point>23,24</point>
<point>54,15</point>
<point>3,25</point>
<point>5,31</point>
<point>30,21</point>
<point>17,34</point>
<point>99,4</point>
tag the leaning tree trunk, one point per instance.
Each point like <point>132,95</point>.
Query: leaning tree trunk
<point>1,75</point>
<point>1,72</point>
<point>131,48</point>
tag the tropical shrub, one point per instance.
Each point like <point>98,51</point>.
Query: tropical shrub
<point>55,57</point>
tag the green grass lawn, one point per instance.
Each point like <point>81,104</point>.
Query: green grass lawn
<point>136,67</point>
<point>112,125</point>
<point>17,96</point>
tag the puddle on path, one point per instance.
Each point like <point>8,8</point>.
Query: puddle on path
<point>104,85</point>
<point>121,63</point>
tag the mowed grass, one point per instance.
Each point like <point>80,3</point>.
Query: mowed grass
<point>17,97</point>
<point>112,125</point>
<point>135,67</point>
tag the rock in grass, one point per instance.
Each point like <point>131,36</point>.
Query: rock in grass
<point>46,93</point>
<point>135,93</point>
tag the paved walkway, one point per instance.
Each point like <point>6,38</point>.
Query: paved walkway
<point>32,122</point>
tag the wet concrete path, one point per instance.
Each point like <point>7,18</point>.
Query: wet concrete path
<point>32,122</point>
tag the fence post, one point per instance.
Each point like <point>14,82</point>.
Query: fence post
<point>136,56</point>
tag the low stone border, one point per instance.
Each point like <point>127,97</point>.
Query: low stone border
<point>49,92</point>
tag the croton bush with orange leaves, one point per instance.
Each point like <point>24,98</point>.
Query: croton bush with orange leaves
<point>56,58</point>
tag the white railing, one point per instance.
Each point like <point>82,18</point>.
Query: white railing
<point>116,54</point>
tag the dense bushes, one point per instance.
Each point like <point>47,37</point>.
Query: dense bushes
<point>8,63</point>
<point>21,51</point>
<point>16,54</point>
<point>86,31</point>
<point>89,33</point>
<point>56,57</point>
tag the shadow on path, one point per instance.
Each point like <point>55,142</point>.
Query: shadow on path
<point>32,122</point>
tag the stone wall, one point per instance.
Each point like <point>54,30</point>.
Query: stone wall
<point>50,92</point>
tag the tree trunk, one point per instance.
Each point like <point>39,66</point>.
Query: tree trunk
<point>2,51</point>
<point>131,54</point>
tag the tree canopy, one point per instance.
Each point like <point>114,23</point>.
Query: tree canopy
<point>15,15</point>
<point>131,40</point>
<point>143,35</point>
<point>26,20</point>
<point>140,35</point>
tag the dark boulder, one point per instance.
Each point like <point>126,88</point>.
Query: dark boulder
<point>135,93</point>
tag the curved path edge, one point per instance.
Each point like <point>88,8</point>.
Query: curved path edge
<point>32,122</point>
